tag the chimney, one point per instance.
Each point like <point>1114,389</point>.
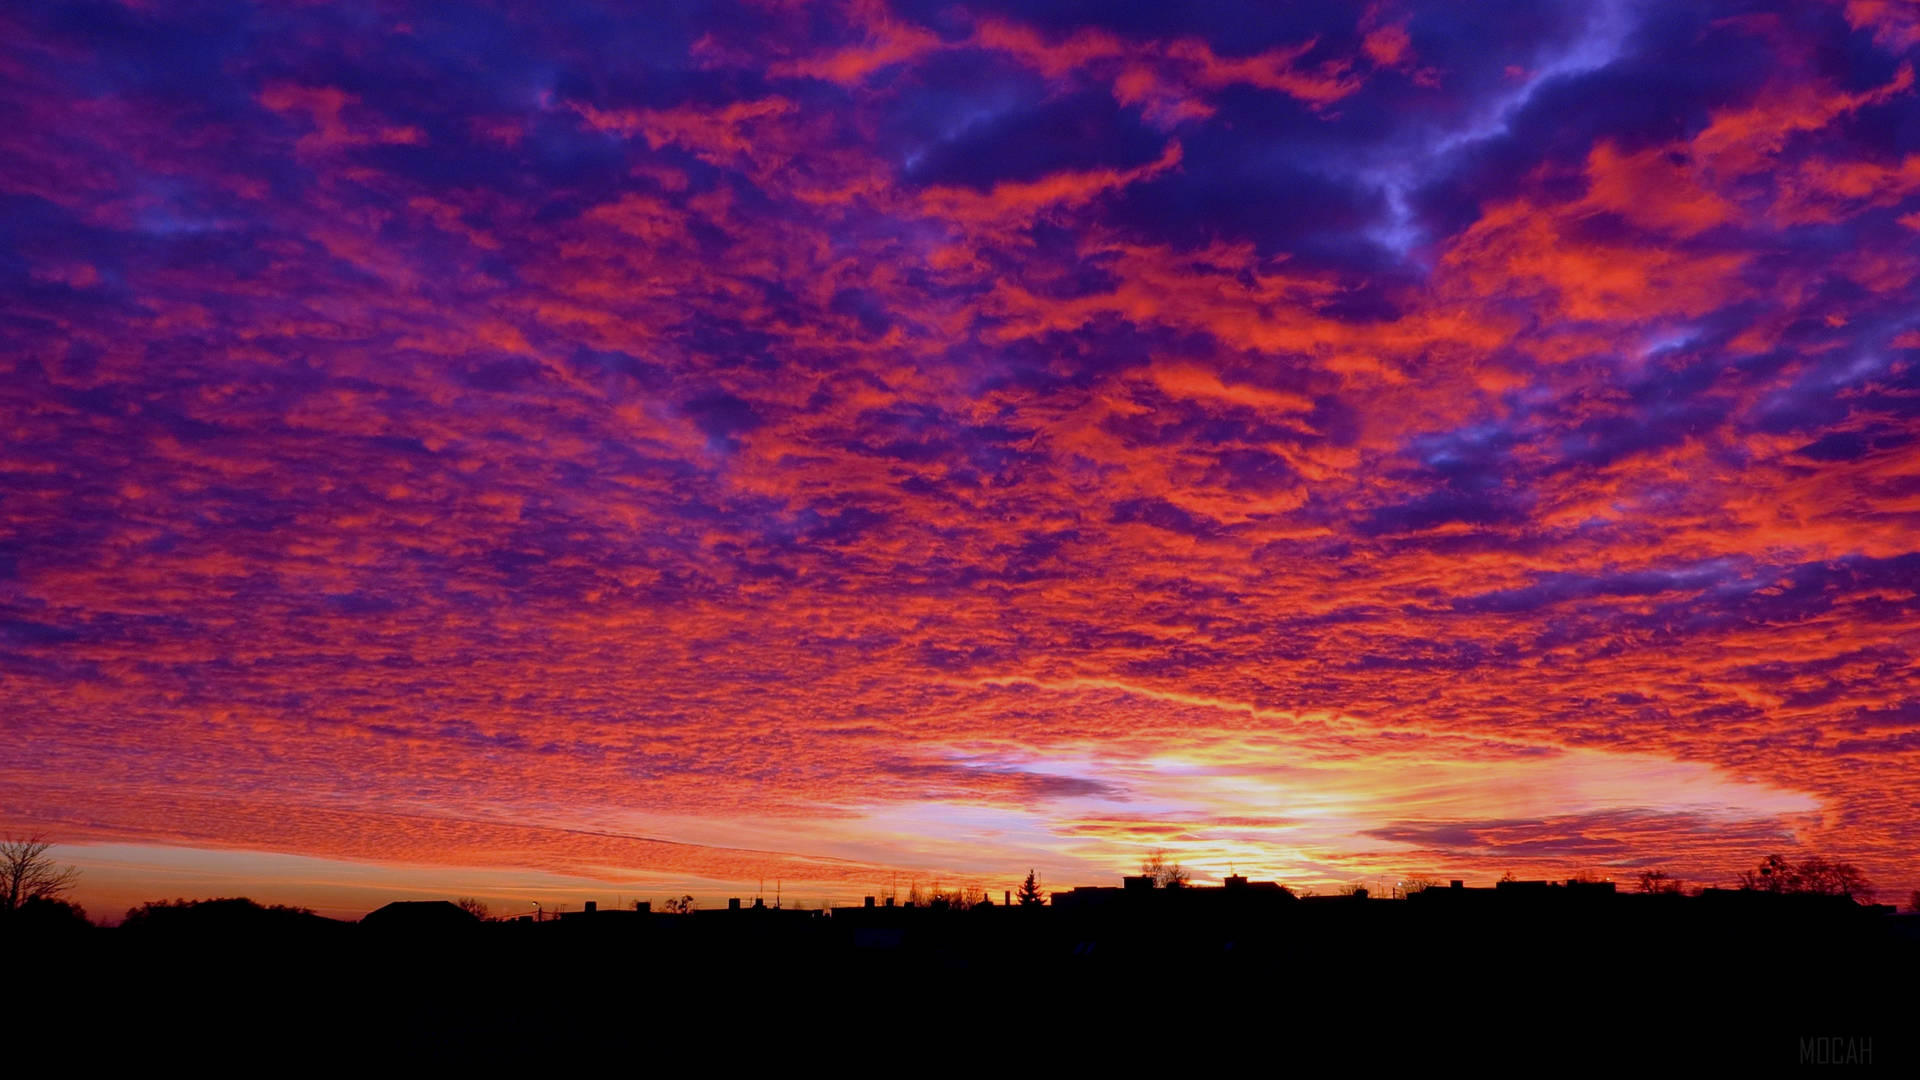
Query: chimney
<point>1456,883</point>
<point>643,906</point>
<point>733,903</point>
<point>1006,898</point>
<point>869,902</point>
<point>592,906</point>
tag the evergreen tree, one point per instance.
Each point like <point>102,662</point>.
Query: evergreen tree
<point>1029,894</point>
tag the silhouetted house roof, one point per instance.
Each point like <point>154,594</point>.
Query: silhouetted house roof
<point>416,916</point>
<point>1761,898</point>
<point>1572,886</point>
<point>1237,891</point>
<point>1240,886</point>
<point>592,910</point>
<point>1086,896</point>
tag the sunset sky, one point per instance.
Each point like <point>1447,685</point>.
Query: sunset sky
<point>562,451</point>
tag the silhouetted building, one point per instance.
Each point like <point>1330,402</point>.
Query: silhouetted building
<point>1570,888</point>
<point>590,911</point>
<point>420,916</point>
<point>1322,899</point>
<point>1140,890</point>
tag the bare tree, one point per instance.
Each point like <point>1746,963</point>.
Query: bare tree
<point>1659,881</point>
<point>1774,874</point>
<point>1408,886</point>
<point>475,907</point>
<point>26,873</point>
<point>678,905</point>
<point>962,899</point>
<point>1165,875</point>
<point>1817,875</point>
<point>1828,877</point>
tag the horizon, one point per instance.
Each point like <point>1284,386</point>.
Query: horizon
<point>559,895</point>
<point>552,452</point>
<point>116,879</point>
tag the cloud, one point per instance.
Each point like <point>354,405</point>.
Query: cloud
<point>961,438</point>
<point>1618,838</point>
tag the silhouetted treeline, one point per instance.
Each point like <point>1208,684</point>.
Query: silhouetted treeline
<point>1514,973</point>
<point>1519,971</point>
<point>1816,875</point>
<point>45,915</point>
<point>224,915</point>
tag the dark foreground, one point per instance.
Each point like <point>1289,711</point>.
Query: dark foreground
<point>1641,982</point>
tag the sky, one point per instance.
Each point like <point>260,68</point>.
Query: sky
<point>556,451</point>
